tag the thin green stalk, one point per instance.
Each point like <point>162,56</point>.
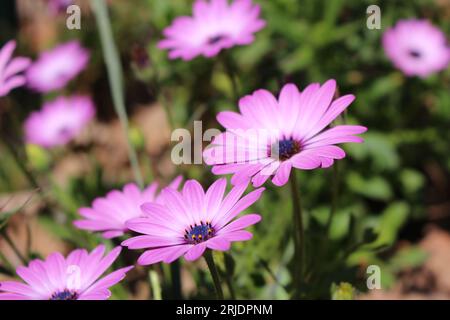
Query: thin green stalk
<point>229,282</point>
<point>334,195</point>
<point>165,104</point>
<point>7,267</point>
<point>176,279</point>
<point>214,273</point>
<point>229,263</point>
<point>274,277</point>
<point>154,283</point>
<point>114,69</point>
<point>299,239</point>
<point>29,238</point>
<point>11,243</point>
<point>335,180</point>
<point>230,70</point>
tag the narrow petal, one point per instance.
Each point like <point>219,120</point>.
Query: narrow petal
<point>6,52</point>
<point>232,120</point>
<point>336,108</point>
<point>13,296</point>
<point>282,175</point>
<point>305,161</point>
<point>195,252</point>
<point>218,243</point>
<point>214,196</point>
<point>108,281</point>
<point>157,255</point>
<point>289,101</point>
<point>342,133</point>
<point>141,242</point>
<point>241,223</point>
<point>17,287</point>
<point>239,207</point>
<point>241,235</point>
<point>319,104</point>
<point>194,196</point>
<point>17,65</point>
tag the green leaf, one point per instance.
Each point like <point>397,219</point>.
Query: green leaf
<point>340,225</point>
<point>392,220</point>
<point>412,180</point>
<point>375,187</point>
<point>408,258</point>
<point>378,147</point>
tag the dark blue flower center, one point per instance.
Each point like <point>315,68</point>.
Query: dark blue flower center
<point>284,149</point>
<point>64,295</point>
<point>199,233</point>
<point>215,39</point>
<point>415,53</point>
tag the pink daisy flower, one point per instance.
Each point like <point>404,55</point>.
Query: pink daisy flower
<point>215,25</point>
<point>416,47</point>
<point>10,67</point>
<point>73,278</point>
<point>190,221</point>
<point>59,121</point>
<point>269,137</point>
<point>110,214</point>
<point>55,68</point>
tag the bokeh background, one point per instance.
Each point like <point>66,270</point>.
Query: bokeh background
<point>393,206</point>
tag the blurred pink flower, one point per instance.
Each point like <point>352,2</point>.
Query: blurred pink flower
<point>10,67</point>
<point>59,121</point>
<point>55,68</point>
<point>59,6</point>
<point>73,278</point>
<point>416,47</point>
<point>269,137</point>
<point>109,214</point>
<point>215,25</point>
<point>190,221</point>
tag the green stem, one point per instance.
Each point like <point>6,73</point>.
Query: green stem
<point>334,195</point>
<point>154,283</point>
<point>7,268</point>
<point>230,70</point>
<point>176,279</point>
<point>229,275</point>
<point>214,273</point>
<point>165,104</point>
<point>114,69</point>
<point>299,239</point>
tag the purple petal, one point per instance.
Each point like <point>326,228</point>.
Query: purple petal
<point>282,175</point>
<point>241,235</point>
<point>218,243</point>
<point>195,252</point>
<point>241,223</point>
<point>241,205</point>
<point>157,255</point>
